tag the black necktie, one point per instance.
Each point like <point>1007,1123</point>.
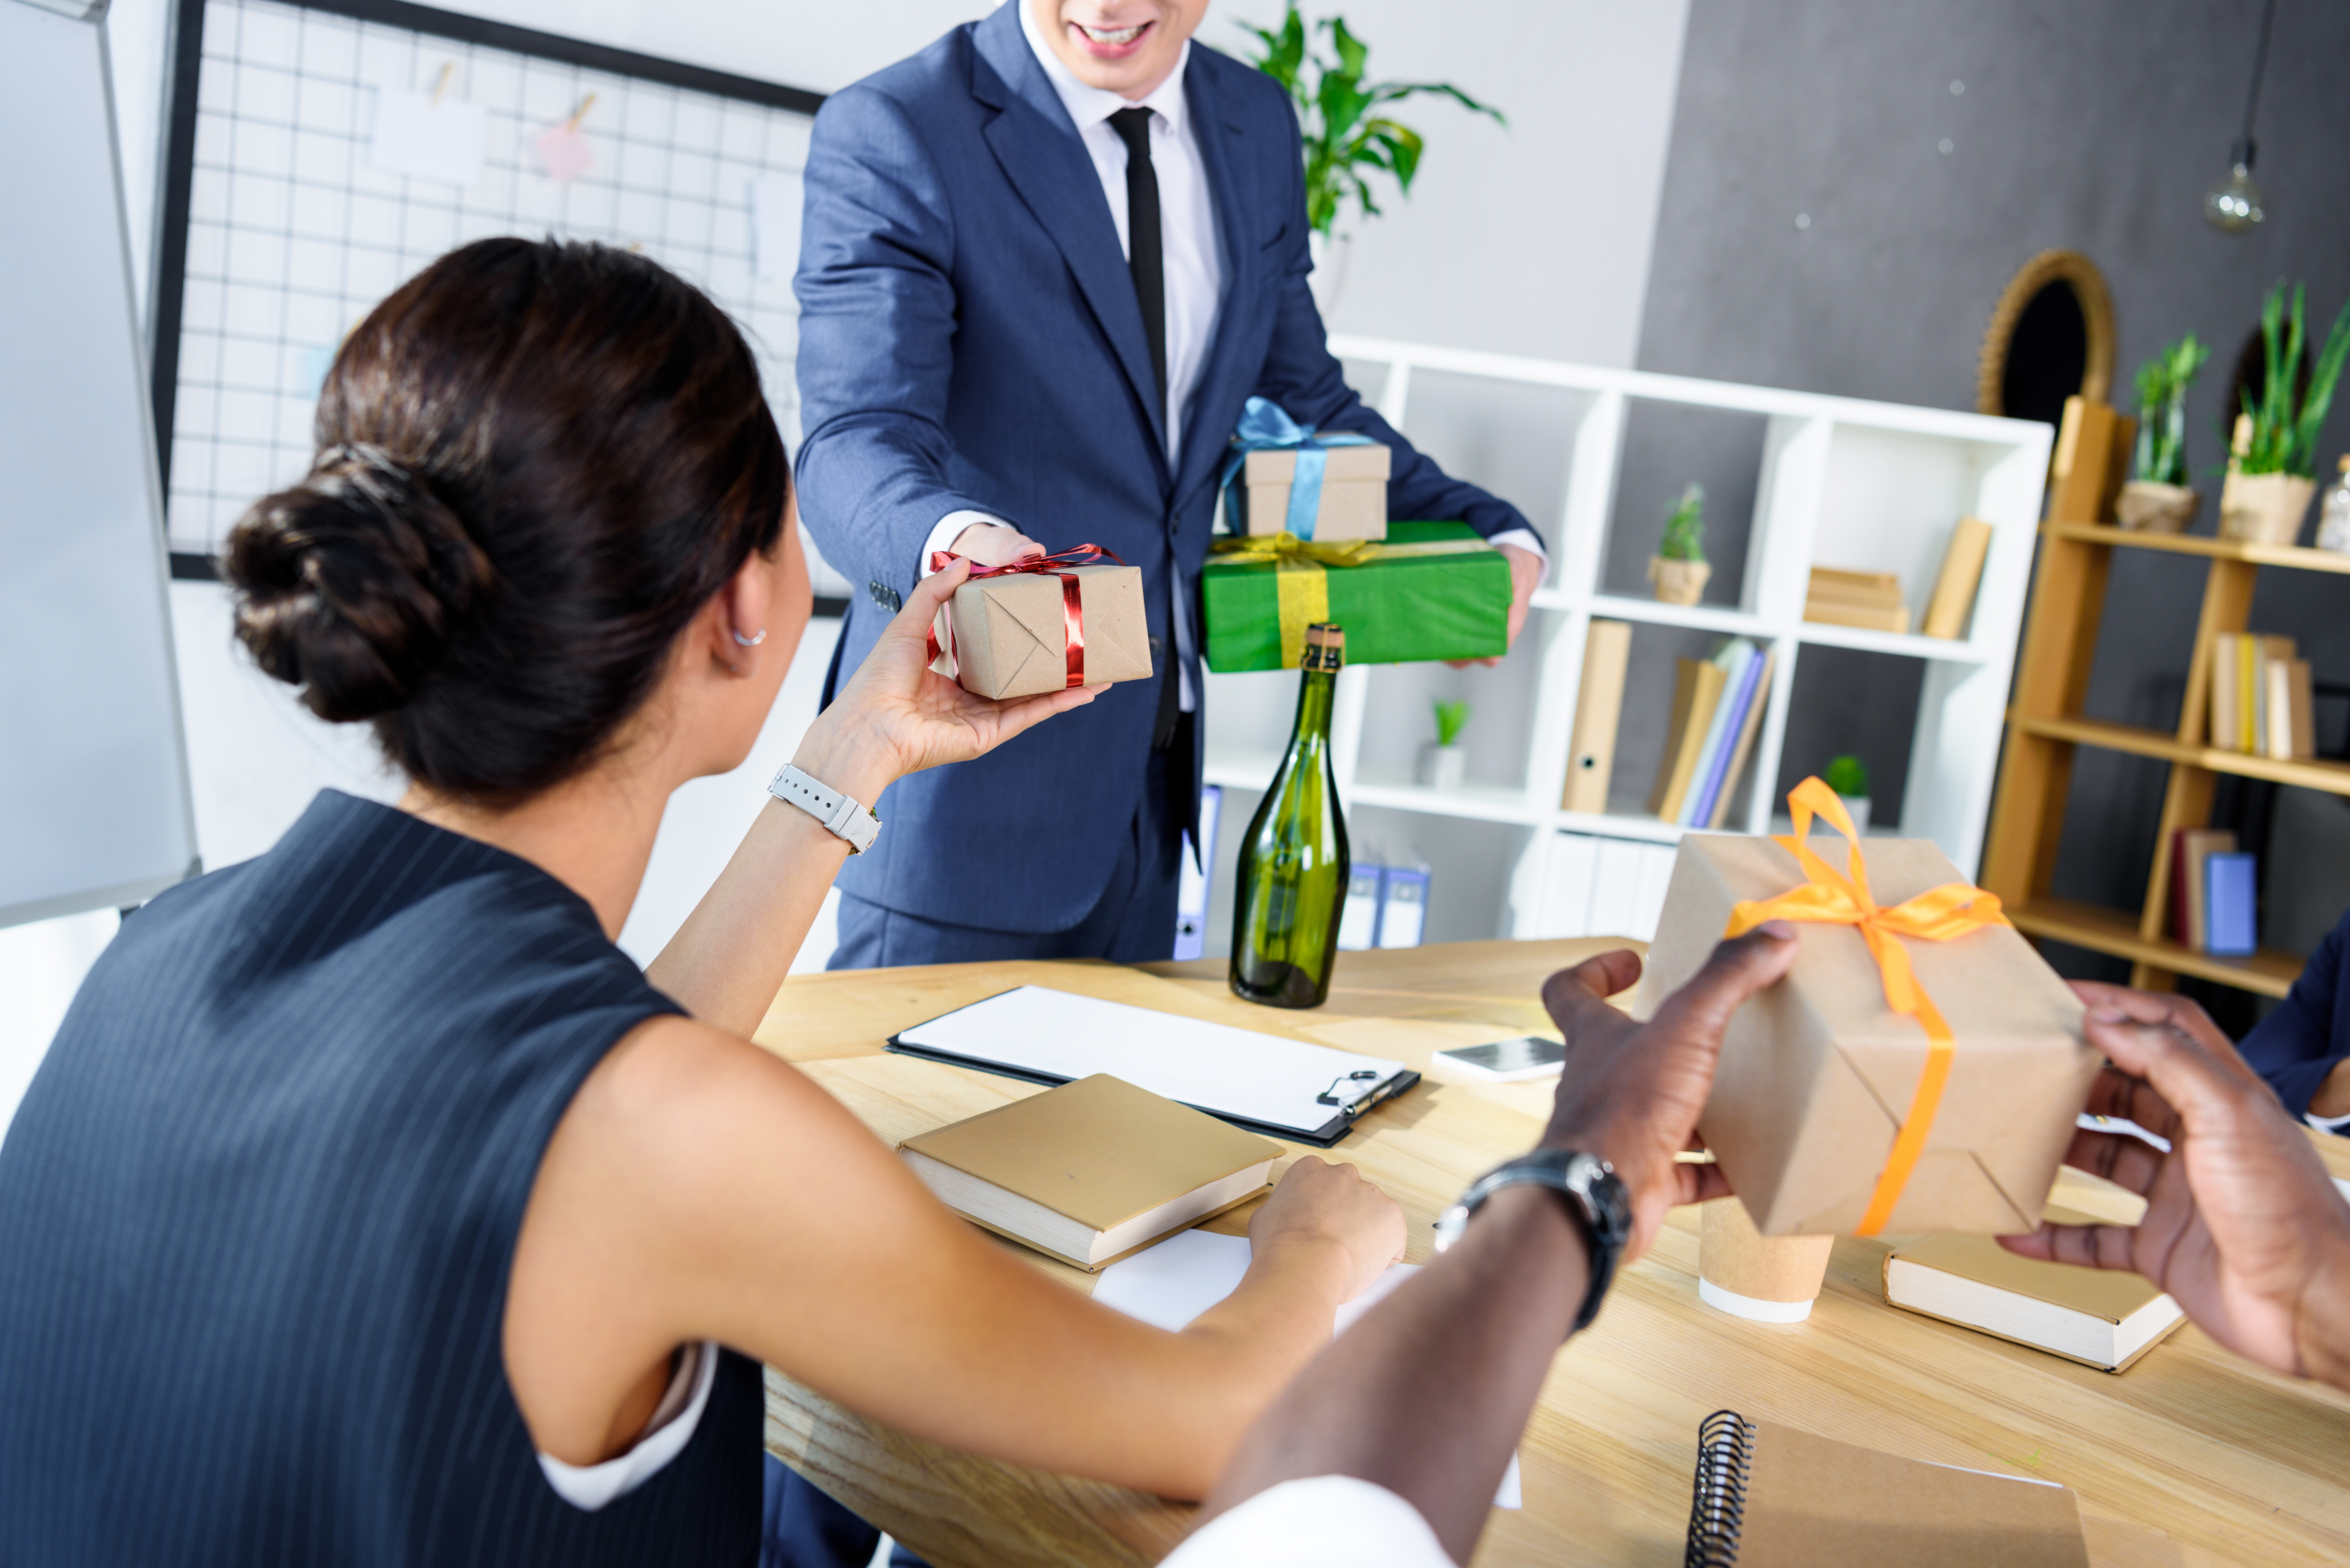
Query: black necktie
<point>1145,255</point>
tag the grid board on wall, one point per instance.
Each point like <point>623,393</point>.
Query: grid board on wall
<point>292,235</point>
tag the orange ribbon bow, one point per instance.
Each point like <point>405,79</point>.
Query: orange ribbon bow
<point>1937,915</point>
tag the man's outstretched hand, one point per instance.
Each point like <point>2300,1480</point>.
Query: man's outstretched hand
<point>1630,1093</point>
<point>2242,1227</point>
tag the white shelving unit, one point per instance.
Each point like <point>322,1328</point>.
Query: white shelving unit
<point>1865,486</point>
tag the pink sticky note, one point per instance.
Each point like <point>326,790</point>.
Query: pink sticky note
<point>564,151</point>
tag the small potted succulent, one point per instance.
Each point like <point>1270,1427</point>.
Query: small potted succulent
<point>1443,763</point>
<point>1849,776</point>
<point>2273,470</point>
<point>1678,570</point>
<point>2157,497</point>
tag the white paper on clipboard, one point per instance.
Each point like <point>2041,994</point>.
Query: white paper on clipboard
<point>1262,1078</point>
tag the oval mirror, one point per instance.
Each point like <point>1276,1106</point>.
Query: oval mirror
<point>2051,337</point>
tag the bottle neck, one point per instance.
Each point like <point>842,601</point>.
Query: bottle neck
<point>1315,698</point>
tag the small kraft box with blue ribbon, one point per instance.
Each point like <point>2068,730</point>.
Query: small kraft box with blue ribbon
<point>1282,477</point>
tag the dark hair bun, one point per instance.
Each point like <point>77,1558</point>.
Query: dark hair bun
<point>351,584</point>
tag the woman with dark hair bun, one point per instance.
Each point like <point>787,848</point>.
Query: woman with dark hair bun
<point>371,1207</point>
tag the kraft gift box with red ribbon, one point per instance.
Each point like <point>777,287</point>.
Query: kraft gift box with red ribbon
<point>1070,619</point>
<point>1920,1066</point>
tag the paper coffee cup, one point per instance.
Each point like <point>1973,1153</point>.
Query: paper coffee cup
<point>1740,1271</point>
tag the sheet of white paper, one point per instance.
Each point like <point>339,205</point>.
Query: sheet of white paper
<point>775,226</point>
<point>1236,1071</point>
<point>1169,1284</point>
<point>414,136</point>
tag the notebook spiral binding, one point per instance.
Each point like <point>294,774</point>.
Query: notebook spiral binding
<point>1725,1462</point>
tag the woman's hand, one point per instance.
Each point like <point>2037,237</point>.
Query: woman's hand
<point>1318,1204</point>
<point>897,716</point>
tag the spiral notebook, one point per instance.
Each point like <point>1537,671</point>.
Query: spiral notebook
<point>1774,1497</point>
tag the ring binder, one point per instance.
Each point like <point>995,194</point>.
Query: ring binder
<point>1725,1464</point>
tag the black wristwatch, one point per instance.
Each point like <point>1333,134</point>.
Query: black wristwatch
<point>1593,1195</point>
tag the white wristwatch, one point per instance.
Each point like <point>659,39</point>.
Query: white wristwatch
<point>842,817</point>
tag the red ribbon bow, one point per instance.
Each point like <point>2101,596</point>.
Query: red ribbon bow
<point>1073,609</point>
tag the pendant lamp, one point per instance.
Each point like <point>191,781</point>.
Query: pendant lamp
<point>2233,205</point>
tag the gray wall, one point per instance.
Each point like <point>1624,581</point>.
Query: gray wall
<point>2094,126</point>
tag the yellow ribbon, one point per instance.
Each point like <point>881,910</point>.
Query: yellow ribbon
<point>1301,586</point>
<point>1937,915</point>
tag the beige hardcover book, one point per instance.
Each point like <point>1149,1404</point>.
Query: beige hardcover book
<point>1835,580</point>
<point>1954,589</point>
<point>1746,732</point>
<point>1090,1170</point>
<point>1770,1495</point>
<point>2223,690</point>
<point>1598,704</point>
<point>2101,1317</point>
<point>1697,685</point>
<point>2277,706</point>
<point>2201,844</point>
<point>1872,617</point>
<point>2299,700</point>
<point>2262,652</point>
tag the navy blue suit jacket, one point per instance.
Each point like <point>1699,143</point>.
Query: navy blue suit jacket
<point>2309,1034</point>
<point>969,338</point>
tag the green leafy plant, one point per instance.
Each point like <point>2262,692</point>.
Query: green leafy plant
<point>1849,776</point>
<point>2285,427</point>
<point>2162,383</point>
<point>1684,538</point>
<point>1337,112</point>
<point>1451,718</point>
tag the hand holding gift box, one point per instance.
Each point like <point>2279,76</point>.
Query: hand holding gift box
<point>1042,624</point>
<point>1282,477</point>
<point>1919,1068</point>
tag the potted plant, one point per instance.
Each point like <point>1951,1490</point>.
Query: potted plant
<point>1678,570</point>
<point>2273,471</point>
<point>1849,776</point>
<point>2157,498</point>
<point>1344,136</point>
<point>1442,764</point>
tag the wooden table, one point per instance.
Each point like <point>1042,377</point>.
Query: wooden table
<point>2190,1456</point>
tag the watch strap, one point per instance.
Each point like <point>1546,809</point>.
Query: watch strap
<point>843,817</point>
<point>1593,1194</point>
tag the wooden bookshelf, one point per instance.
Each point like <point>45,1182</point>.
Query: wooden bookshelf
<point>2045,726</point>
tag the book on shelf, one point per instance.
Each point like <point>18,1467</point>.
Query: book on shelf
<point>1871,600</point>
<point>1734,656</point>
<point>1769,1496</point>
<point>2287,703</point>
<point>2190,848</point>
<point>1598,706</point>
<point>1091,1170</point>
<point>2102,1317</point>
<point>2258,685</point>
<point>2231,898</point>
<point>1953,598</point>
<point>1744,745</point>
<point>1714,776</point>
<point>1696,688</point>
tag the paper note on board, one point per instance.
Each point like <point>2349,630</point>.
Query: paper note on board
<point>1169,1284</point>
<point>564,149</point>
<point>428,140</point>
<point>775,226</point>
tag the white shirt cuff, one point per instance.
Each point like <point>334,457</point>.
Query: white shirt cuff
<point>675,1419</point>
<point>2326,1123</point>
<point>1524,539</point>
<point>946,530</point>
<point>1329,1522</point>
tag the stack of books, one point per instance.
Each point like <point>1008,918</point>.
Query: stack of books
<point>1868,599</point>
<point>1717,708</point>
<point>2260,697</point>
<point>2214,893</point>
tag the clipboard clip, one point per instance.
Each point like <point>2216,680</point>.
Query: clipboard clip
<point>1330,1097</point>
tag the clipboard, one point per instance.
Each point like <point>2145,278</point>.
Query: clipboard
<point>1267,1083</point>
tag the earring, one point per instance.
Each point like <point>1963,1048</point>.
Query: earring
<point>751,641</point>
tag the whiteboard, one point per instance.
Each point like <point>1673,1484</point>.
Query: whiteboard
<point>94,802</point>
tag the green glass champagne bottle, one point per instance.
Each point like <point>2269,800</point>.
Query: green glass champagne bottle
<point>1293,861</point>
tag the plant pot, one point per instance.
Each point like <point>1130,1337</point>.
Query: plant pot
<point>2264,508</point>
<point>1329,279</point>
<point>1678,582</point>
<point>1442,768</point>
<point>2157,508</point>
<point>1856,807</point>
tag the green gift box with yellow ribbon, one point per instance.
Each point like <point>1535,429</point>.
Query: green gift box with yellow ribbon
<point>1428,591</point>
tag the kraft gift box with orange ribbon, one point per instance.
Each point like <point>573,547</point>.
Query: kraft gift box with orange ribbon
<point>1073,617</point>
<point>1920,1066</point>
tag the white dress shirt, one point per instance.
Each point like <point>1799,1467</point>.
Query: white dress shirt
<point>1330,1521</point>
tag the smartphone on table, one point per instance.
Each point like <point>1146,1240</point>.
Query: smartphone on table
<point>1507,1061</point>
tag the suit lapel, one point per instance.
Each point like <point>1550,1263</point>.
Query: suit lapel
<point>1228,188</point>
<point>1040,153</point>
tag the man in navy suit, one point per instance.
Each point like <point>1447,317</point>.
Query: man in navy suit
<point>1044,263</point>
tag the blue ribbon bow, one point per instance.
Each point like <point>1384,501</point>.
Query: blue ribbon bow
<point>1266,427</point>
